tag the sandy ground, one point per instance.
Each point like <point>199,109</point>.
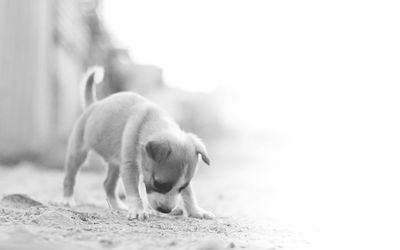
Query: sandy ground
<point>31,218</point>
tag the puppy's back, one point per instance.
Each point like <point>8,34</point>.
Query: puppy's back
<point>107,118</point>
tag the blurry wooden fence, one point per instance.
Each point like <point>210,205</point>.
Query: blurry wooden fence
<point>38,101</point>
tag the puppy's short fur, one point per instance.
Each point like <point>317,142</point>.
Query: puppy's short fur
<point>140,141</point>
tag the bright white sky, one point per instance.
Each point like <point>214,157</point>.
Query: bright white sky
<point>324,74</point>
<point>203,44</point>
<point>295,58</point>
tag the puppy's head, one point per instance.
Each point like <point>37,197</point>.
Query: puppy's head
<point>169,164</point>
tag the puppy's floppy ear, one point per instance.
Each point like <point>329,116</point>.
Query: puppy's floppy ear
<point>200,148</point>
<point>158,150</point>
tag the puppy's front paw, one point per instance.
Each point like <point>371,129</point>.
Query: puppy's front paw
<point>200,213</point>
<point>139,214</point>
<point>177,212</point>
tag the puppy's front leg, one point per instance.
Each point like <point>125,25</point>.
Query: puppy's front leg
<point>190,204</point>
<point>130,172</point>
<point>130,178</point>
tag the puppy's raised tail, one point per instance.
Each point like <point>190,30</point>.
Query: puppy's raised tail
<point>93,75</point>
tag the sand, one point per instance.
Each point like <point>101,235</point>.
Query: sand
<point>32,218</point>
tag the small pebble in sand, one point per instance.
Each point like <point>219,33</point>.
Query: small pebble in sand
<point>106,242</point>
<point>173,243</point>
<point>231,245</point>
<point>210,245</point>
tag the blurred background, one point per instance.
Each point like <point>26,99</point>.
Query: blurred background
<point>298,101</point>
<point>46,47</point>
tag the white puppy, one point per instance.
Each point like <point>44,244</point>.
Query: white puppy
<point>138,139</point>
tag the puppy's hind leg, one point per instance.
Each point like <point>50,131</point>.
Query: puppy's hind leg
<point>76,155</point>
<point>110,185</point>
<point>73,164</point>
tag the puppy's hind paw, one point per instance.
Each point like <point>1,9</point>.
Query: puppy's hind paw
<point>116,204</point>
<point>68,202</point>
<point>200,213</point>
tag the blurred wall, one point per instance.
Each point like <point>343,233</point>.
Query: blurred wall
<point>71,41</point>
<point>45,46</point>
<point>25,96</point>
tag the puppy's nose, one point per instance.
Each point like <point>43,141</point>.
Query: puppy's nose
<point>165,210</point>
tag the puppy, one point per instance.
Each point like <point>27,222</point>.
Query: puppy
<point>142,143</point>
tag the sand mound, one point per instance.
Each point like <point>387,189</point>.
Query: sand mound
<point>20,201</point>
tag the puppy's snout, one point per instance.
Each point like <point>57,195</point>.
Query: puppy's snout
<point>165,210</point>
<point>162,187</point>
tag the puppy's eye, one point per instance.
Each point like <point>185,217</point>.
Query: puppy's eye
<point>183,187</point>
